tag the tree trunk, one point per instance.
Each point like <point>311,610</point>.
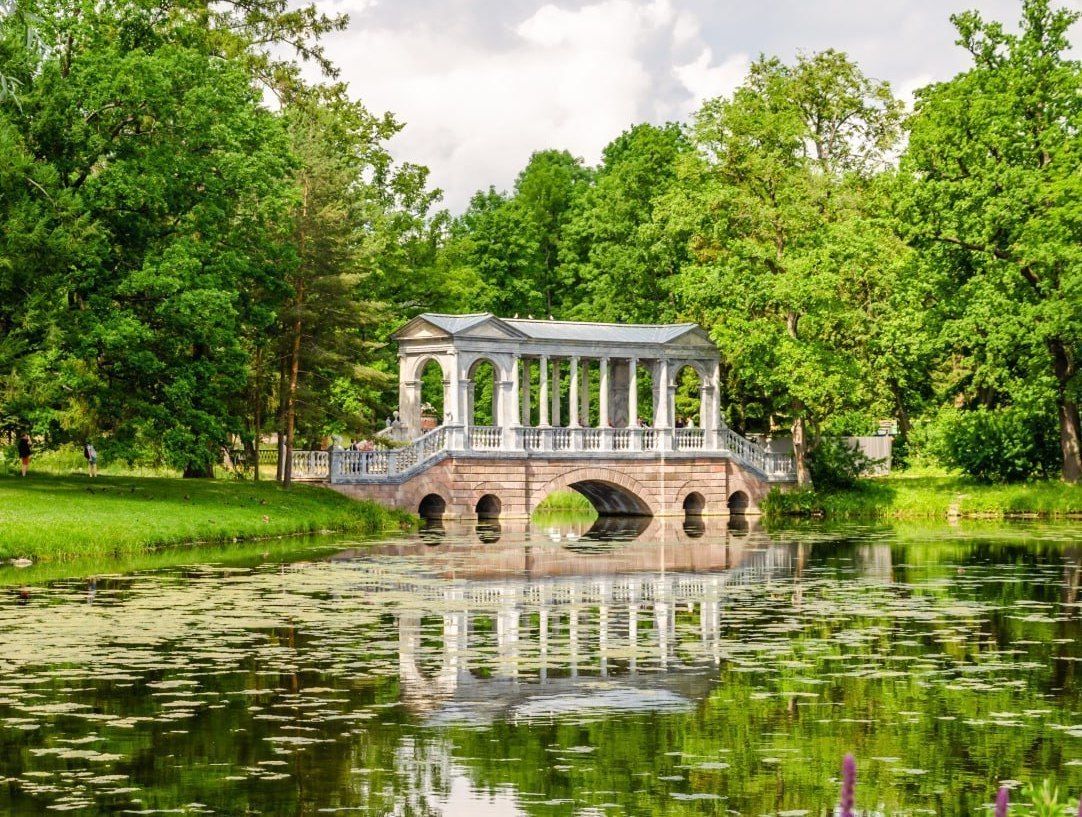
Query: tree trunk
<point>193,471</point>
<point>1070,427</point>
<point>800,451</point>
<point>291,397</point>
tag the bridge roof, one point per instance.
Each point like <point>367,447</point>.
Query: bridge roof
<point>550,330</point>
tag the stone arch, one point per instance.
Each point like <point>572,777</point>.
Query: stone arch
<point>410,384</point>
<point>611,492</point>
<point>694,504</point>
<point>488,507</point>
<point>738,503</point>
<point>432,506</point>
<point>415,364</point>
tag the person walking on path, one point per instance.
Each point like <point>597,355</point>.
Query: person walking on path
<point>91,455</point>
<point>24,451</point>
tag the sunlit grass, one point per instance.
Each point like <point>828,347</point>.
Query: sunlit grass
<point>48,517</point>
<point>905,496</point>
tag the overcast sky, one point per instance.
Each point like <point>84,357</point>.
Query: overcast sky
<point>481,84</point>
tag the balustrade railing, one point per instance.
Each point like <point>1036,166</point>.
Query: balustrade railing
<point>771,464</point>
<point>345,466</point>
<point>310,464</point>
<point>591,439</point>
<point>689,439</point>
<point>486,438</point>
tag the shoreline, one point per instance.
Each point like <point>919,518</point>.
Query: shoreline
<point>930,498</point>
<point>49,518</point>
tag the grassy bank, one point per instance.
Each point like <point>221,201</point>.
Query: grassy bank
<point>50,517</point>
<point>930,497</point>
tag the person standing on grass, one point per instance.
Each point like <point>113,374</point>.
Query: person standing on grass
<point>91,454</point>
<point>24,451</point>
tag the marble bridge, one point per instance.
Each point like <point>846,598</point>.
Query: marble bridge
<point>524,408</point>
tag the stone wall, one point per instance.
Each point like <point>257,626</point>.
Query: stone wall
<point>614,484</point>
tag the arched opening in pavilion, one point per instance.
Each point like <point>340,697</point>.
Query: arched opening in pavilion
<point>688,408</point>
<point>433,394</point>
<point>483,377</point>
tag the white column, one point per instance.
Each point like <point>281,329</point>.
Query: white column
<point>603,402</point>
<point>584,393</point>
<point>511,414</point>
<point>715,399</point>
<point>632,392</point>
<point>544,396</point>
<point>524,391</point>
<point>573,399</point>
<point>470,396</point>
<point>662,416</point>
<point>455,403</point>
<point>556,391</point>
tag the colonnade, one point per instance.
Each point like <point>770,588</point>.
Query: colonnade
<point>618,392</point>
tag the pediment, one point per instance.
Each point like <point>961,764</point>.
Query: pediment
<point>696,338</point>
<point>491,328</point>
<point>421,329</point>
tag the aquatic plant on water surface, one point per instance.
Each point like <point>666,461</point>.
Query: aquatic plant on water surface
<point>1043,801</point>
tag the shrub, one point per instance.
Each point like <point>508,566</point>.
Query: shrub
<point>1009,444</point>
<point>836,464</point>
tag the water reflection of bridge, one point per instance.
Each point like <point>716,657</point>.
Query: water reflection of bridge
<point>529,625</point>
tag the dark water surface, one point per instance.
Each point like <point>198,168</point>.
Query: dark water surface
<point>667,669</point>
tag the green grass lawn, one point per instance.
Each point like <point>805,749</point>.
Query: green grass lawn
<point>903,496</point>
<point>50,517</point>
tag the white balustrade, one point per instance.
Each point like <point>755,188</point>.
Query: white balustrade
<point>348,466</point>
<point>486,438</point>
<point>621,439</point>
<point>689,439</point>
<point>561,439</point>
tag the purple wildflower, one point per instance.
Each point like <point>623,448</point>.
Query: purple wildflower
<point>849,784</point>
<point>1002,799</point>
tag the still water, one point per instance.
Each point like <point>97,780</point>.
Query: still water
<point>659,668</point>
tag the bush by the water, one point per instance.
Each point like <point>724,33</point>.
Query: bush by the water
<point>836,464</point>
<point>1009,444</point>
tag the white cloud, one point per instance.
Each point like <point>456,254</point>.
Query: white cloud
<point>562,78</point>
<point>481,84</point>
<point>704,80</point>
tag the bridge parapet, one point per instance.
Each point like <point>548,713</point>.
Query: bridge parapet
<point>394,465</point>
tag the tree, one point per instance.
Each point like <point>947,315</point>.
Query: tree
<point>993,161</point>
<point>342,162</point>
<point>790,244</point>
<point>615,255</point>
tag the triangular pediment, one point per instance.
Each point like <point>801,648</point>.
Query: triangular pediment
<point>694,336</point>
<point>492,328</point>
<point>430,325</point>
<point>420,329</point>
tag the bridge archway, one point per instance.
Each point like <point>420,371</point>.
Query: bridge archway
<point>432,506</point>
<point>738,503</point>
<point>610,492</point>
<point>488,507</point>
<point>694,504</point>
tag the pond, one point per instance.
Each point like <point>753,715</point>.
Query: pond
<point>652,667</point>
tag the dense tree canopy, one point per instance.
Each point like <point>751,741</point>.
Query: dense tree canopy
<point>198,248</point>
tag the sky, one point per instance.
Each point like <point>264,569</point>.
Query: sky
<point>482,84</point>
